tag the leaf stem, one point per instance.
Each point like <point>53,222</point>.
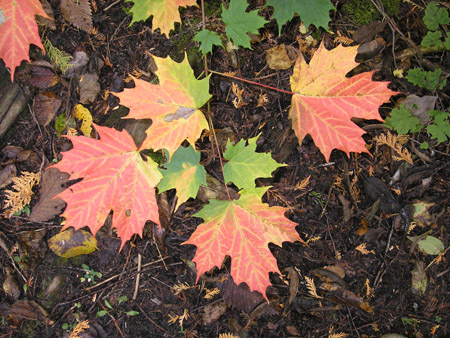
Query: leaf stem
<point>210,123</point>
<point>252,82</point>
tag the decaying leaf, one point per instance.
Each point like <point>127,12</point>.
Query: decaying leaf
<point>80,112</point>
<point>43,77</point>
<point>6,175</point>
<point>212,312</point>
<point>10,285</point>
<point>89,87</point>
<point>78,13</point>
<point>45,106</point>
<point>277,58</point>
<point>419,278</point>
<point>323,105</point>
<point>47,207</point>
<point>21,192</point>
<point>70,243</point>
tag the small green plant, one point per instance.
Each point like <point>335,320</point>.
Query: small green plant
<point>426,79</point>
<point>25,211</point>
<point>436,16</point>
<point>403,122</point>
<point>108,305</point>
<point>90,275</point>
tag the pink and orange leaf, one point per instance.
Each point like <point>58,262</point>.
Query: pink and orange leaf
<point>242,229</point>
<point>114,177</point>
<point>325,100</point>
<point>19,30</point>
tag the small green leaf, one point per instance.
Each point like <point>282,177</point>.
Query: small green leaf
<point>239,22</point>
<point>101,313</point>
<point>424,145</point>
<point>440,129</point>
<point>416,76</point>
<point>245,165</point>
<point>427,80</point>
<point>447,42</point>
<point>122,299</point>
<point>108,305</point>
<point>132,313</point>
<point>428,244</point>
<point>207,39</point>
<point>315,12</point>
<point>435,16</point>
<point>431,245</point>
<point>183,173</point>
<point>432,40</point>
<point>402,121</point>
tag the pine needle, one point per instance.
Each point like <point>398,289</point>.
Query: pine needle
<point>395,143</point>
<point>81,326</point>
<point>311,287</point>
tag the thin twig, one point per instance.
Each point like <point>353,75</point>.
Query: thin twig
<point>138,276</point>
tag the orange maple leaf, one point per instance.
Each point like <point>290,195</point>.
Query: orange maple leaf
<point>115,177</point>
<point>172,105</point>
<point>19,30</point>
<point>242,229</point>
<point>325,101</point>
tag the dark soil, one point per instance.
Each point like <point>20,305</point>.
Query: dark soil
<point>331,211</point>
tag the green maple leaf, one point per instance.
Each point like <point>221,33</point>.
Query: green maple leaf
<point>402,121</point>
<point>207,39</point>
<point>315,12</point>
<point>183,173</point>
<point>435,16</point>
<point>239,22</point>
<point>245,165</point>
<point>440,129</point>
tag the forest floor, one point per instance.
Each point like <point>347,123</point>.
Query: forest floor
<point>339,205</point>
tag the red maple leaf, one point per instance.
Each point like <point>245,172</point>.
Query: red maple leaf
<point>242,229</point>
<point>115,177</point>
<point>325,100</point>
<point>19,30</point>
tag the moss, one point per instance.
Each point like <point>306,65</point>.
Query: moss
<point>364,12</point>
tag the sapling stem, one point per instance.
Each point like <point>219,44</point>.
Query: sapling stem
<point>252,82</point>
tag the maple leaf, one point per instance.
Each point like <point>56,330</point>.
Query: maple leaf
<point>241,229</point>
<point>323,105</point>
<point>172,105</point>
<point>19,30</point>
<point>245,164</point>
<point>165,13</point>
<point>183,173</point>
<point>115,177</point>
<point>239,22</point>
<point>315,12</point>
